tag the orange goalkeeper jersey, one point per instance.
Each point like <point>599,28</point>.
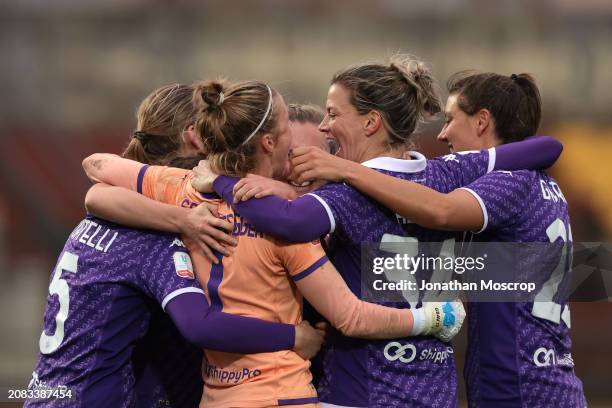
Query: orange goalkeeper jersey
<point>256,280</point>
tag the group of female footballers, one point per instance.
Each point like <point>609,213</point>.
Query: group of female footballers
<point>256,255</point>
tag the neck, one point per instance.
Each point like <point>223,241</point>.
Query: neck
<point>490,139</point>
<point>396,152</point>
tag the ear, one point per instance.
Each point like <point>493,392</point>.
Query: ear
<point>483,121</point>
<point>267,143</point>
<point>192,139</point>
<point>372,123</point>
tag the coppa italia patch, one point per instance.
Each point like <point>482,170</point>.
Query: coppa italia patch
<point>183,266</point>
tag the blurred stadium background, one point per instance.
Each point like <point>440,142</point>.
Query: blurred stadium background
<point>72,74</point>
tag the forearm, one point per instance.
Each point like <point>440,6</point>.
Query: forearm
<point>225,332</point>
<point>302,220</point>
<point>330,296</point>
<point>112,169</point>
<point>413,201</point>
<point>126,207</point>
<point>534,153</point>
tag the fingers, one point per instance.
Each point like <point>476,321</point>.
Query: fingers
<point>240,184</point>
<point>321,325</point>
<point>212,208</point>
<point>243,192</point>
<point>208,254</point>
<point>219,223</point>
<point>307,175</point>
<point>252,193</point>
<point>218,235</point>
<point>208,243</point>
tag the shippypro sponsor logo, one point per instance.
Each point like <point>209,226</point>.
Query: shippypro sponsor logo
<point>544,357</point>
<point>230,376</point>
<point>407,353</point>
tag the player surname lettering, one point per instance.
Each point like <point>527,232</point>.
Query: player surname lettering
<point>94,235</point>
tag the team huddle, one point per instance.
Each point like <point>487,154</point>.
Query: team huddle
<point>232,220</point>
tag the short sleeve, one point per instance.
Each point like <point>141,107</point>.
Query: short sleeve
<point>168,185</point>
<point>167,270</point>
<point>461,168</point>
<point>501,196</point>
<point>300,260</point>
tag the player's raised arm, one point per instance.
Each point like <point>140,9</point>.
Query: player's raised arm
<point>458,210</point>
<point>302,220</point>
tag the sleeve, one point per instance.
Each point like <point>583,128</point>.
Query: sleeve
<point>349,211</point>
<point>220,331</point>
<point>300,260</point>
<point>461,168</point>
<point>301,220</point>
<point>167,270</point>
<point>501,196</point>
<point>169,185</point>
<point>327,292</point>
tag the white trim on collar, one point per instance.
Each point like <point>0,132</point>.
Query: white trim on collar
<point>417,164</point>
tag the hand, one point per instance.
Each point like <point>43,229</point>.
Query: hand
<point>308,340</point>
<point>203,177</point>
<point>258,186</point>
<point>444,319</point>
<point>203,226</point>
<point>312,163</point>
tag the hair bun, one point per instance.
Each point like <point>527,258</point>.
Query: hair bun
<point>211,95</point>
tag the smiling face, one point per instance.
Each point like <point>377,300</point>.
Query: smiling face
<point>343,123</point>
<point>460,130</point>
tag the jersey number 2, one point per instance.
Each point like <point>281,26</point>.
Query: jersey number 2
<point>68,262</point>
<point>543,305</point>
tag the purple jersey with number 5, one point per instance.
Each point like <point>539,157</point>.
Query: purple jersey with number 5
<point>519,353</point>
<point>106,283</point>
<point>408,372</point>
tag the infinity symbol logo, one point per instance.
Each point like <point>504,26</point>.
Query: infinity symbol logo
<point>399,352</point>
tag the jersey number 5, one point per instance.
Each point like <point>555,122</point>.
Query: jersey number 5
<point>68,262</point>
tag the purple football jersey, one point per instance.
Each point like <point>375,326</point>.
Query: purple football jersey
<point>519,353</point>
<point>408,372</point>
<point>167,368</point>
<point>106,283</point>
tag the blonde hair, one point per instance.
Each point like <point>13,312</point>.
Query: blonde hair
<point>161,119</point>
<point>229,114</point>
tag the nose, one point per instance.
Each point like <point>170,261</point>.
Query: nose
<point>324,125</point>
<point>442,135</point>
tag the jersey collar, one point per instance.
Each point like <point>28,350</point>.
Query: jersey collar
<point>417,164</point>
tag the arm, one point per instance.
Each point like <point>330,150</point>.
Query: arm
<point>457,211</point>
<point>302,220</point>
<point>237,334</point>
<point>127,207</point>
<point>533,153</point>
<point>113,170</point>
<point>330,296</point>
